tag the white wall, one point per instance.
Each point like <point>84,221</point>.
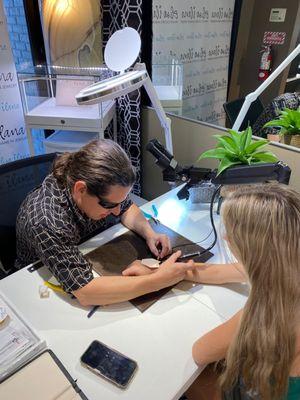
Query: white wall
<point>197,35</point>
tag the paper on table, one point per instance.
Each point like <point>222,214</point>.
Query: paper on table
<point>150,262</point>
<point>12,342</point>
<point>18,341</point>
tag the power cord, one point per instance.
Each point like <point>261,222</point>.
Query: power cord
<point>214,230</point>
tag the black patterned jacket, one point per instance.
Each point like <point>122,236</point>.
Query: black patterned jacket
<point>50,226</point>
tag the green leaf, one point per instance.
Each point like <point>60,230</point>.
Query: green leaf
<point>226,163</point>
<point>227,142</point>
<point>243,159</point>
<point>296,114</point>
<point>277,122</point>
<point>288,121</point>
<point>256,145</point>
<point>248,136</point>
<point>213,153</point>
<point>264,156</point>
<point>243,141</point>
<point>236,137</point>
<point>283,131</point>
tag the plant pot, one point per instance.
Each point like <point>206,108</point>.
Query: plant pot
<point>287,139</point>
<point>295,141</point>
<point>273,137</point>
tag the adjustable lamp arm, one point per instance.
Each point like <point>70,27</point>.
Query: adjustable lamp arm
<point>253,96</point>
<point>164,120</point>
<point>121,84</point>
<point>125,82</point>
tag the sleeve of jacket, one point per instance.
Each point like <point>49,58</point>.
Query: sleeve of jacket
<point>62,257</point>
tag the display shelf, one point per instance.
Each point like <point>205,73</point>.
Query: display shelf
<point>167,80</point>
<point>49,103</point>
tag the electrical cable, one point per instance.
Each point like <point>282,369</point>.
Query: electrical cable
<point>214,230</point>
<point>211,215</point>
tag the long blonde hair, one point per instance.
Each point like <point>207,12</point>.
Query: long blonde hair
<point>262,225</point>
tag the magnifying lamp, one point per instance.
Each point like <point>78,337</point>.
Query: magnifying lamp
<point>120,53</point>
<point>253,96</point>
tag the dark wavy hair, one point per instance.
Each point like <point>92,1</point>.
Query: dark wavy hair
<point>100,164</point>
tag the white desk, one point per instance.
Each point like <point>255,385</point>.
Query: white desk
<point>160,339</point>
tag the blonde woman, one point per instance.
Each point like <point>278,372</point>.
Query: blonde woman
<point>261,343</point>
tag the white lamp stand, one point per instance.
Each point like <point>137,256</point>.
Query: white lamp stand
<point>253,96</point>
<point>120,53</point>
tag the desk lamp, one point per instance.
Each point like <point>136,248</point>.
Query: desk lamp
<point>120,53</point>
<point>253,95</point>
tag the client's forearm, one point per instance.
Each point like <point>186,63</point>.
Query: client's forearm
<point>114,289</point>
<point>217,273</point>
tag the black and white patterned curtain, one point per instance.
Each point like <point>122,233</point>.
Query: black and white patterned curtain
<point>118,14</point>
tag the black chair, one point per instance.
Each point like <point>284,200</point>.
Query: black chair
<point>17,179</point>
<point>232,109</point>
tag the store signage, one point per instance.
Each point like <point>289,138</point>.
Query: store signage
<point>194,36</point>
<point>274,37</point>
<point>13,139</point>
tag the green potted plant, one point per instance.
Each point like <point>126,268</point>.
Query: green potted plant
<point>238,148</point>
<point>289,124</point>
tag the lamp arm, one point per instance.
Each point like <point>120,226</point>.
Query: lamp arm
<point>253,96</point>
<point>164,120</point>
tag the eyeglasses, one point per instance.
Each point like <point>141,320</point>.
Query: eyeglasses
<point>108,205</point>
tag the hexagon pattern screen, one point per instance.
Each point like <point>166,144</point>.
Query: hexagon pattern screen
<point>118,14</point>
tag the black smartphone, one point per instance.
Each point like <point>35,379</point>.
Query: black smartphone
<point>109,363</point>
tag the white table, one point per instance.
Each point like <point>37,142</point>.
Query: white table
<point>160,339</point>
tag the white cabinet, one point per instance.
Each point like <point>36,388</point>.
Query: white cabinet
<point>48,103</point>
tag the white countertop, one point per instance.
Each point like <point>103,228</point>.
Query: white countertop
<point>160,339</point>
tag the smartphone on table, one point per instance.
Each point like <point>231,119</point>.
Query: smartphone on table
<point>109,363</point>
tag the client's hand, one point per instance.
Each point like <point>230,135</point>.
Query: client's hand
<point>136,268</point>
<point>171,272</point>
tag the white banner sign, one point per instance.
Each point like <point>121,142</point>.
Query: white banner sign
<point>13,140</point>
<point>196,35</point>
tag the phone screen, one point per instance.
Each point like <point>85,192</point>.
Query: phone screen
<point>109,363</point>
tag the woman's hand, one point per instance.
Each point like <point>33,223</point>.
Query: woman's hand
<point>159,244</point>
<point>171,272</point>
<point>136,268</point>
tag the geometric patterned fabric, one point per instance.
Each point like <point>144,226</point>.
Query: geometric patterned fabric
<point>49,228</point>
<point>118,14</point>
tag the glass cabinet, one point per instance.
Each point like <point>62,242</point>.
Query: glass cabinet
<point>48,98</point>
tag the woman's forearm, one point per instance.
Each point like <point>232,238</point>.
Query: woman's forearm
<point>213,346</point>
<point>216,273</point>
<point>114,289</point>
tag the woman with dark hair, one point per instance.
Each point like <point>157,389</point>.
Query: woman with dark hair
<point>87,192</point>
